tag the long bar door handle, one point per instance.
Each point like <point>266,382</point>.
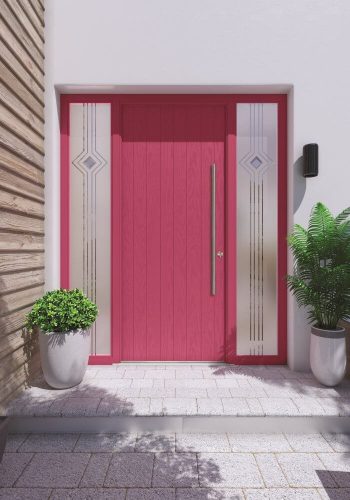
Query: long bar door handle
<point>213,229</point>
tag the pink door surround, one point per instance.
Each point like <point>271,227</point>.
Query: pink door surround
<point>162,150</point>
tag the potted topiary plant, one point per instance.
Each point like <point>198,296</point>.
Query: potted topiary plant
<point>321,283</point>
<point>63,319</point>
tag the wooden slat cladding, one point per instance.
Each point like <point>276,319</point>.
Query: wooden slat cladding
<point>20,110</point>
<point>22,257</point>
<point>21,242</point>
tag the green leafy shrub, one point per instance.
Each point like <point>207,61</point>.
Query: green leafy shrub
<point>321,280</point>
<point>61,311</point>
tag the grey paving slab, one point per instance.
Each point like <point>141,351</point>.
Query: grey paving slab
<point>130,470</point>
<point>191,393</point>
<point>152,442</point>
<point>163,374</point>
<point>308,406</point>
<point>219,392</point>
<point>202,443</point>
<point>25,493</point>
<point>338,464</point>
<point>12,466</point>
<point>259,443</point>
<point>110,383</point>
<point>235,406</point>
<point>89,494</point>
<point>185,373</point>
<point>142,383</point>
<point>282,494</point>
<point>128,392</point>
<point>270,470</point>
<point>158,382</point>
<point>235,470</point>
<point>228,383</point>
<point>134,373</point>
<point>157,392</point>
<point>255,407</point>
<point>114,406</point>
<point>54,470</point>
<point>210,406</point>
<point>191,383</point>
<point>112,374</point>
<point>209,494</point>
<point>156,406</point>
<point>315,390</point>
<point>175,470</point>
<point>179,406</point>
<point>92,443</point>
<point>80,407</point>
<point>334,493</point>
<point>150,494</point>
<point>308,443</point>
<point>278,406</point>
<point>96,470</point>
<point>49,443</point>
<point>339,442</point>
<point>241,392</point>
<point>335,406</point>
<point>136,406</point>
<point>14,441</point>
<point>304,470</point>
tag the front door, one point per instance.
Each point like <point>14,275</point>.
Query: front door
<point>172,232</point>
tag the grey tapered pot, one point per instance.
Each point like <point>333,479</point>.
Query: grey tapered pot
<point>64,357</point>
<point>328,355</point>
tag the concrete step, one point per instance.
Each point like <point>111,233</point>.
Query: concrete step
<point>189,424</point>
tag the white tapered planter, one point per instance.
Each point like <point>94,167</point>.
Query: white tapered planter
<point>64,357</point>
<point>328,355</point>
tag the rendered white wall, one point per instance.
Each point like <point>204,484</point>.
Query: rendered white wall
<point>219,46</point>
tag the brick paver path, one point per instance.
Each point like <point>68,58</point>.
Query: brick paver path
<point>176,467</point>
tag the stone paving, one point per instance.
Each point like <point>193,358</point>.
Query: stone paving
<point>176,467</point>
<point>175,389</point>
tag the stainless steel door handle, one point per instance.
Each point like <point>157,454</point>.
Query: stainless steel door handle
<point>213,229</point>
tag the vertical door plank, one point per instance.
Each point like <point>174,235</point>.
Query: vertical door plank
<point>140,234</point>
<point>127,236</point>
<point>167,234</point>
<point>219,134</point>
<point>208,301</point>
<point>194,234</point>
<point>153,233</point>
<point>180,235</point>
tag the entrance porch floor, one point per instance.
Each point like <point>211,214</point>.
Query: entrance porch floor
<point>170,389</point>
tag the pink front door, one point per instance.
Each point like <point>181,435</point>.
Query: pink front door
<point>168,309</point>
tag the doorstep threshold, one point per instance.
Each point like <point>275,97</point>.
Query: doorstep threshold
<point>189,424</point>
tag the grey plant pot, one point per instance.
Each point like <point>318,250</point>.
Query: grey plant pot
<point>3,434</point>
<point>64,357</point>
<point>328,355</point>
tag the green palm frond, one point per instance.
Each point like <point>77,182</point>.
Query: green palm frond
<point>321,280</point>
<point>343,216</point>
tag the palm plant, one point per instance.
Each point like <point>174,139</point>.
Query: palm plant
<point>321,280</point>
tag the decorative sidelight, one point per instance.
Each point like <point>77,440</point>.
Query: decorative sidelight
<point>257,229</point>
<point>90,238</point>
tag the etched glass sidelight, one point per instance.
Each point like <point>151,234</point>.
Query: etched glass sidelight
<point>257,226</point>
<point>90,228</point>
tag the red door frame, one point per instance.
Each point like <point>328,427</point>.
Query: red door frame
<point>229,101</point>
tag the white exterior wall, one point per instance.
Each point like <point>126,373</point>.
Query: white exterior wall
<point>300,47</point>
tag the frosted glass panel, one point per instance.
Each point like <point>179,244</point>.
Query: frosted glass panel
<point>90,237</point>
<point>257,229</point>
